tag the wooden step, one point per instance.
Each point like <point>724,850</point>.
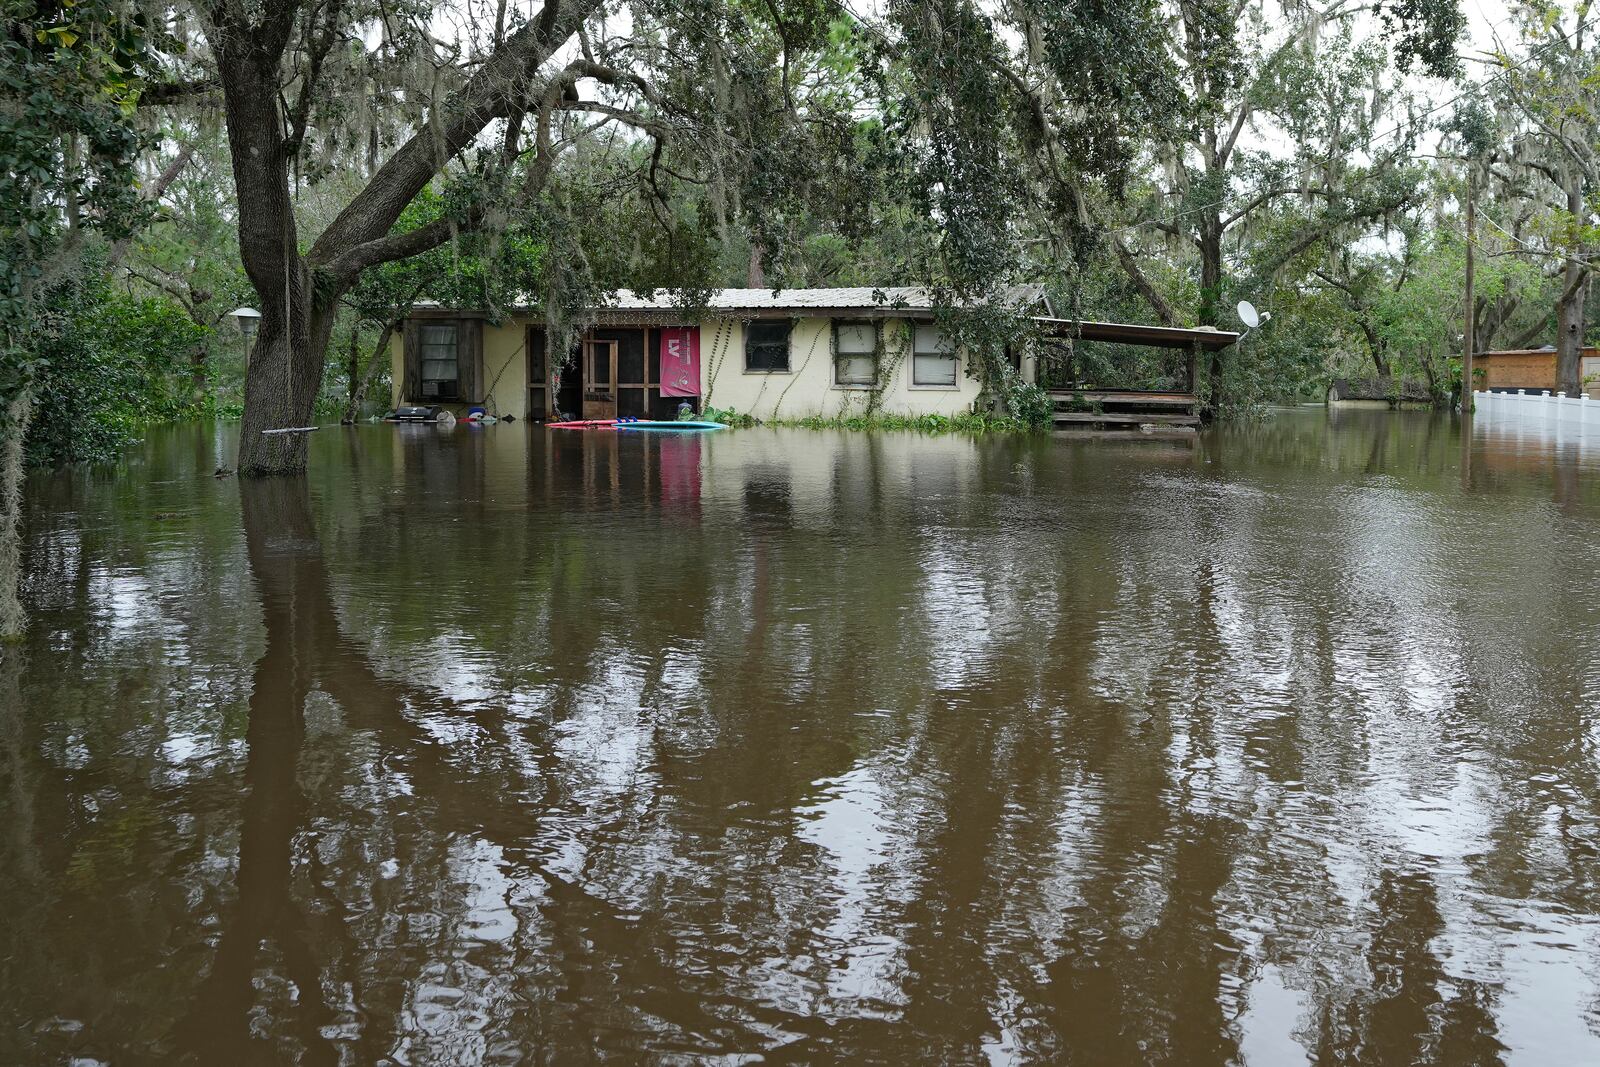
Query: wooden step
<point>1131,418</point>
<point>1125,399</point>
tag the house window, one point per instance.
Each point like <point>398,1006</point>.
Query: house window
<point>766,345</point>
<point>933,358</point>
<point>538,375</point>
<point>441,367</point>
<point>855,360</point>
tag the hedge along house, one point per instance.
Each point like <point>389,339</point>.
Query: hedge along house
<point>791,353</point>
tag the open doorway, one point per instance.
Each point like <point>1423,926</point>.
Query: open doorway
<point>611,372</point>
<point>599,363</point>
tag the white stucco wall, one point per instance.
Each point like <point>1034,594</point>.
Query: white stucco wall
<point>505,368</point>
<point>807,388</point>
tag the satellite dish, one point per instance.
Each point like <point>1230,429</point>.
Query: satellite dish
<point>1248,314</point>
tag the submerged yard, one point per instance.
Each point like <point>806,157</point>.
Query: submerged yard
<point>502,745</point>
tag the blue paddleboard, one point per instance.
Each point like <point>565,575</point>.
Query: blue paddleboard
<point>649,424</point>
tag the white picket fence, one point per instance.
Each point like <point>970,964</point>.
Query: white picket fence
<point>1558,413</point>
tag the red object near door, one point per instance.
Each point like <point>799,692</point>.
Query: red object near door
<point>680,361</point>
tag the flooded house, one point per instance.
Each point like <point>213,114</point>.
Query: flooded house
<point>794,353</point>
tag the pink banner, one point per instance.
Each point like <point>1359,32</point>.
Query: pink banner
<point>680,361</point>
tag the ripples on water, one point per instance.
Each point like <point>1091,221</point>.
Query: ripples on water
<point>503,746</point>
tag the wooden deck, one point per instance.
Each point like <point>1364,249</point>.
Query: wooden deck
<point>1124,409</point>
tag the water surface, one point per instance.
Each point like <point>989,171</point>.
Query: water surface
<point>506,746</point>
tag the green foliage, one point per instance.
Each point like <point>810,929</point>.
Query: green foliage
<point>69,81</point>
<point>489,270</point>
<point>957,144</point>
<point>1425,33</point>
<point>70,75</point>
<point>113,365</point>
<point>1029,405</point>
<point>728,417</point>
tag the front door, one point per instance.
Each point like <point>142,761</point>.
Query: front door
<point>599,379</point>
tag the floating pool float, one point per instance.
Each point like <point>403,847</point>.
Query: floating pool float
<point>652,424</point>
<point>632,424</point>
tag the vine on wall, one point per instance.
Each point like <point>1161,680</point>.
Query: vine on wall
<point>721,341</point>
<point>886,363</point>
<point>795,375</point>
<point>887,366</point>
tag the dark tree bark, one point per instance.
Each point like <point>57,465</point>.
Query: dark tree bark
<point>1375,343</point>
<point>1152,296</point>
<point>1570,308</point>
<point>284,372</point>
<point>299,292</point>
<point>1210,246</point>
<point>1527,337</point>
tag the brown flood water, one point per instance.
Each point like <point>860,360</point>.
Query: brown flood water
<point>505,746</point>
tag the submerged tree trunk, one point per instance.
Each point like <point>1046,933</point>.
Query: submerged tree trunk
<point>13,433</point>
<point>1569,332</point>
<point>284,370</point>
<point>283,380</point>
<point>1570,309</point>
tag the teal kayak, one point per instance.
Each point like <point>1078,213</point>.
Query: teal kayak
<point>650,424</point>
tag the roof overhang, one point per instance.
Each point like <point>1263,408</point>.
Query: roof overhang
<point>1589,350</point>
<point>1127,333</point>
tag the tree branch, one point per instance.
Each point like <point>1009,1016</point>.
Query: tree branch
<point>175,92</point>
<point>317,48</point>
<point>1141,282</point>
<point>164,180</point>
<point>432,234</point>
<point>494,91</point>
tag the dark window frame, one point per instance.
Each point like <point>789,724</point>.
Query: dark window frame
<point>838,356</point>
<point>428,353</point>
<point>752,346</point>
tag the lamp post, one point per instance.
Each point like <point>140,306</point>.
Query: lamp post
<point>247,319</point>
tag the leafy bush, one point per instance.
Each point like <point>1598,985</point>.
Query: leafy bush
<point>729,417</point>
<point>109,365</point>
<point>1024,402</point>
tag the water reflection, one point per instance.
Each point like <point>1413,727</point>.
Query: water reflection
<point>506,745</point>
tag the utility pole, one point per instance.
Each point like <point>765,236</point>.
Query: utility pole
<point>1471,324</point>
